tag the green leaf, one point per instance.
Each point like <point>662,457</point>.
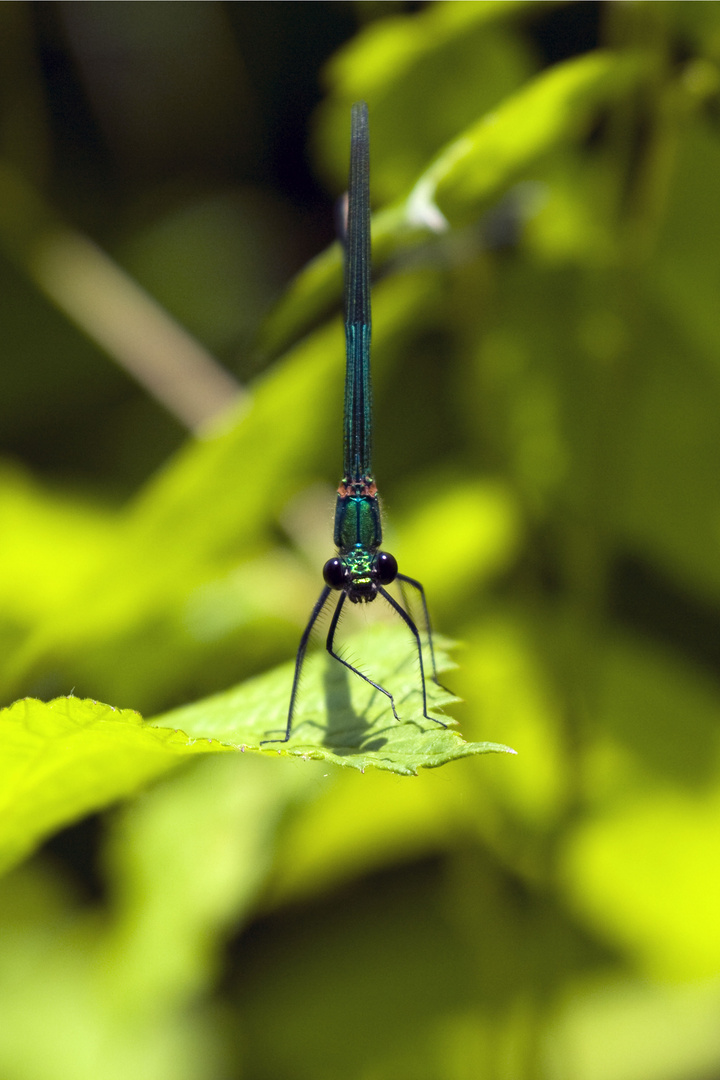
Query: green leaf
<point>614,1028</point>
<point>49,542</point>
<point>553,109</point>
<point>55,965</point>
<point>213,828</point>
<point>215,499</point>
<point>425,77</point>
<point>646,875</point>
<point>68,757</point>
<point>340,718</point>
<point>550,111</point>
<point>182,865</point>
<point>62,759</point>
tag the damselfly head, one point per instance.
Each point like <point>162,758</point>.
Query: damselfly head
<point>360,573</point>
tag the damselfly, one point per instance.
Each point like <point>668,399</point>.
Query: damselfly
<point>360,570</point>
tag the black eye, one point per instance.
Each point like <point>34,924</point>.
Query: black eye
<point>387,567</point>
<point>335,573</point>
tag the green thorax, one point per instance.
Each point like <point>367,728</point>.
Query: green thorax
<point>357,519</point>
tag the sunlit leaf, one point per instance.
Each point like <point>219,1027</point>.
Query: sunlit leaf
<point>552,109</point>
<point>646,876</point>
<point>341,718</point>
<point>213,828</point>
<point>425,76</point>
<point>613,1028</point>
<point>65,758</point>
<point>471,170</point>
<point>84,1033</point>
<point>216,500</point>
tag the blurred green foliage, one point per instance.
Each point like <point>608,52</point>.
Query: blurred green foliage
<point>547,409</point>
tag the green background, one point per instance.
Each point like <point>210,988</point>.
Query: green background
<point>547,384</point>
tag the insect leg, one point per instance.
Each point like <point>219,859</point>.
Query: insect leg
<point>416,585</point>
<point>416,634</point>
<point>302,648</point>
<point>329,645</point>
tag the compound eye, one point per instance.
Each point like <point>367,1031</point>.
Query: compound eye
<point>387,567</point>
<point>335,574</point>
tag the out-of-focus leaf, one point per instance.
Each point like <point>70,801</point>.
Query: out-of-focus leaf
<point>410,970</point>
<point>49,544</point>
<point>647,876</point>
<point>425,76</point>
<point>340,717</point>
<point>622,1029</point>
<point>604,410</point>
<point>461,534</point>
<point>59,1011</point>
<point>220,496</point>
<point>684,268</point>
<point>642,866</point>
<point>132,981</point>
<point>361,824</point>
<point>427,976</point>
<point>65,758</point>
<point>553,109</point>
<point>639,743</point>
<point>670,508</point>
<point>699,22</point>
<point>505,687</point>
<point>213,830</point>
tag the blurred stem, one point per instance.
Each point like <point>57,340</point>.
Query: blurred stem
<point>107,305</point>
<point>132,328</point>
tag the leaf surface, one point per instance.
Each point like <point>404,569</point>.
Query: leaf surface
<point>340,718</point>
<point>65,758</point>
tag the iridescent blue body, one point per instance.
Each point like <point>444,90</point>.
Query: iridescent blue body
<point>360,570</point>
<point>358,529</point>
